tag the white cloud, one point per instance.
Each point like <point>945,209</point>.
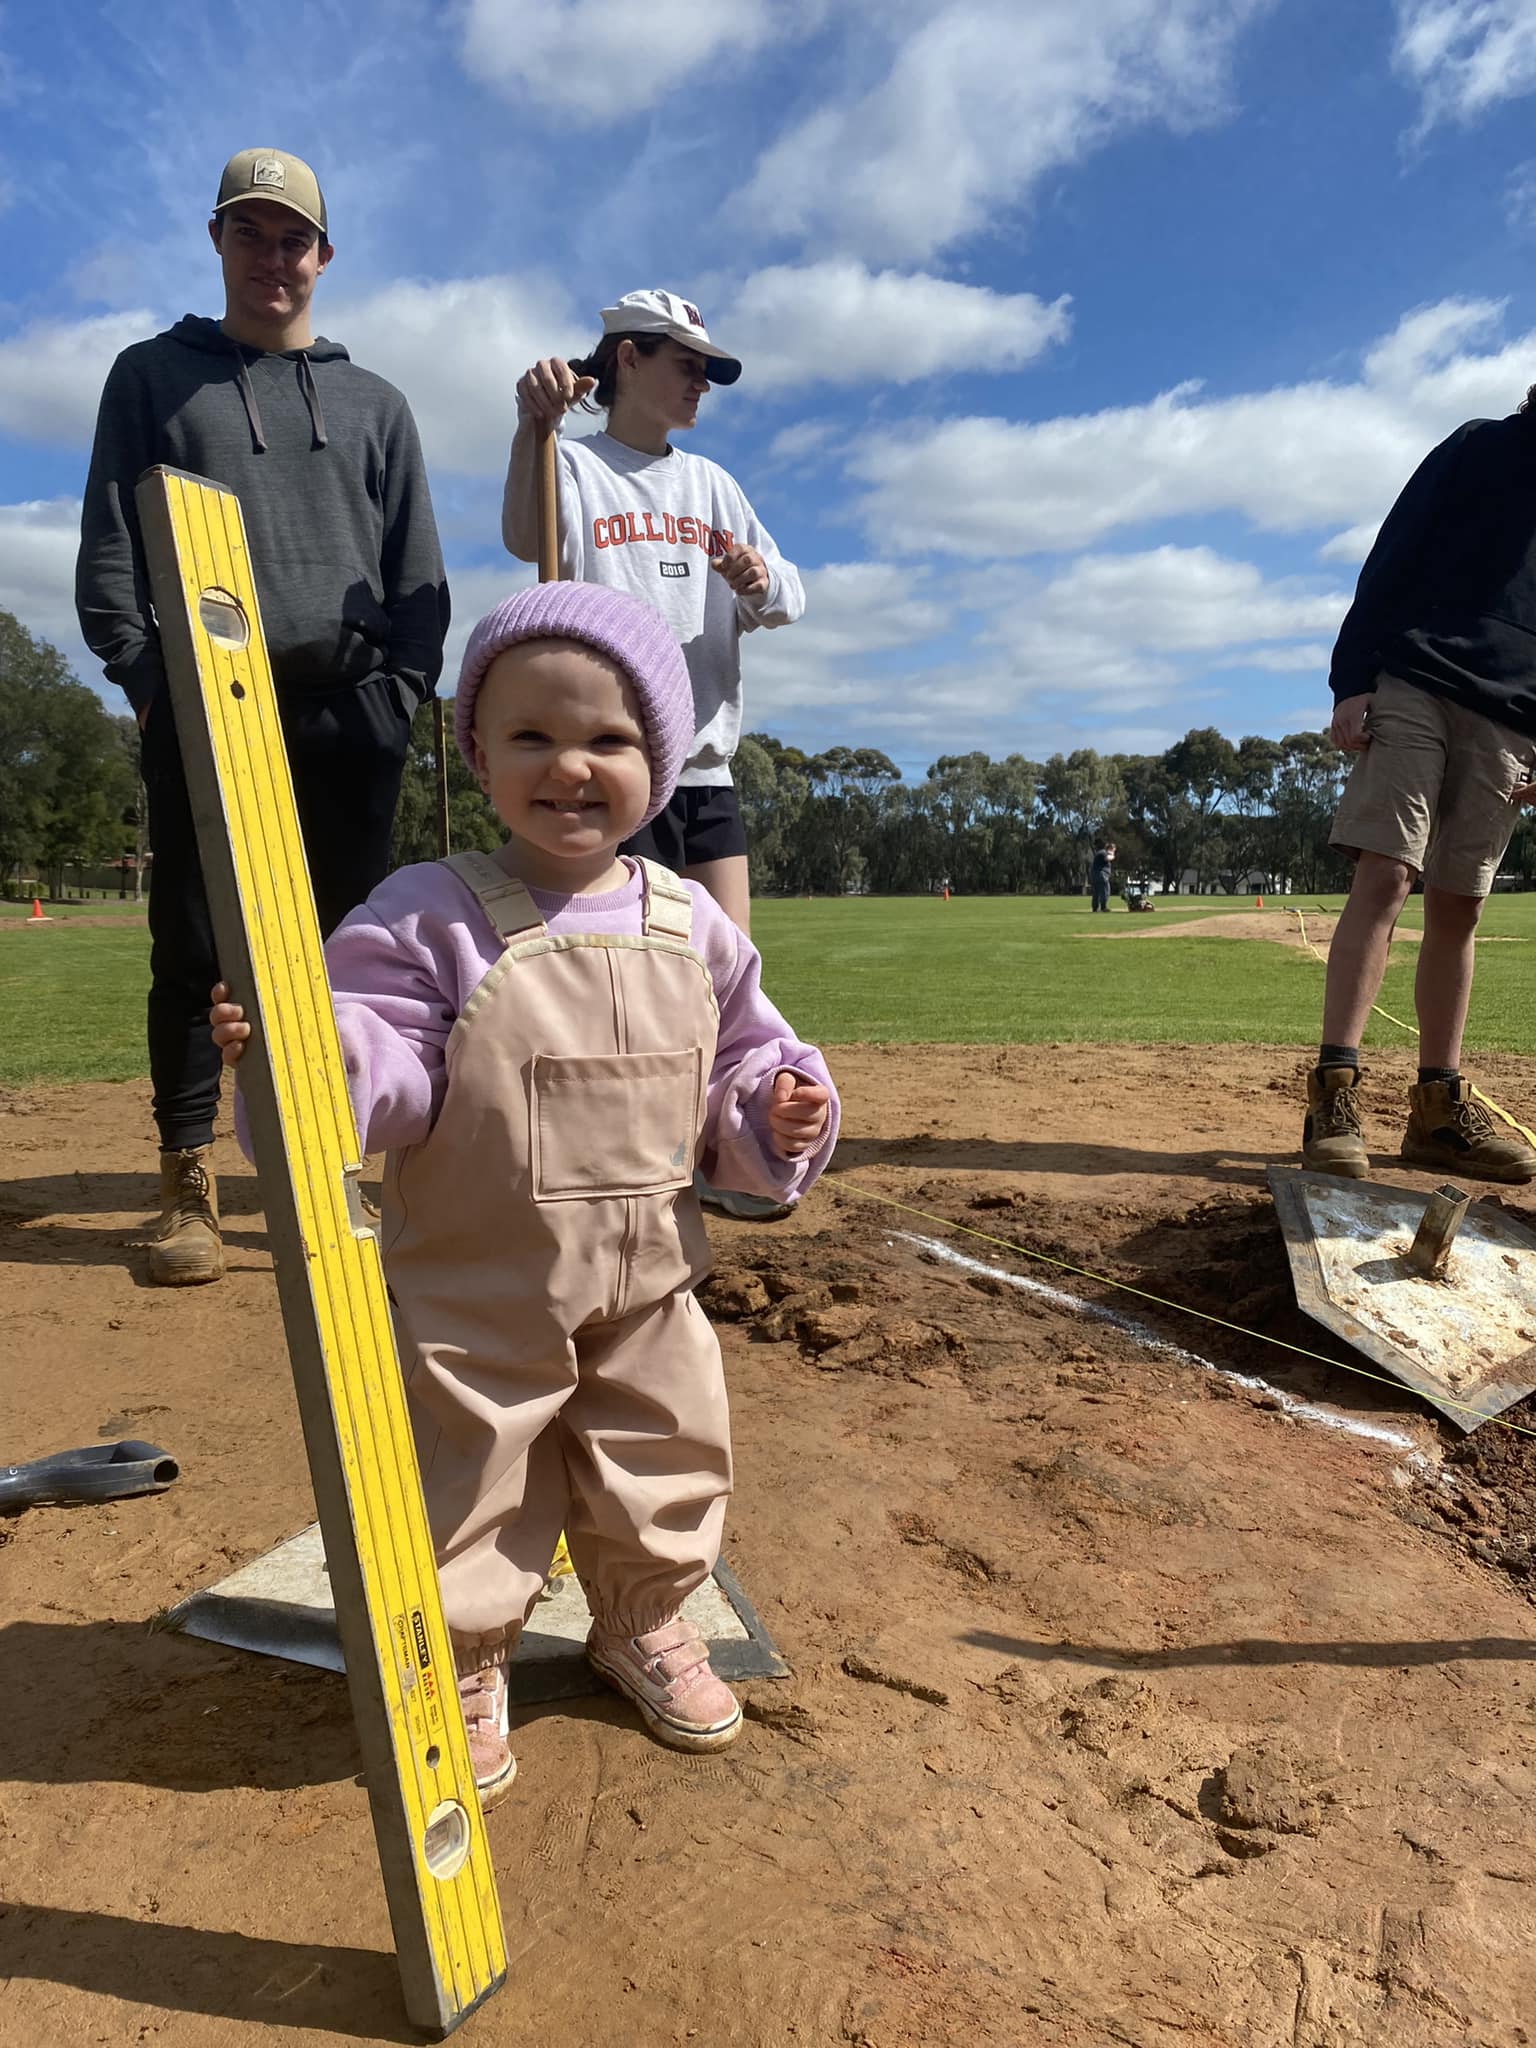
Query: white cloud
<point>1466,55</point>
<point>1520,199</point>
<point>1180,599</point>
<point>474,592</point>
<point>839,323</point>
<point>804,440</point>
<point>1286,660</point>
<point>605,60</point>
<point>1004,659</point>
<point>980,100</point>
<point>456,350</point>
<point>38,544</point>
<point>855,613</point>
<point>1317,454</point>
<point>51,374</point>
<point>1352,545</point>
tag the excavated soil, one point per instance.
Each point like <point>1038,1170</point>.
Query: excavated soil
<point>1309,932</point>
<point>1131,1703</point>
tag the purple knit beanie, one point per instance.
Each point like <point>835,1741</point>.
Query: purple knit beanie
<point>616,624</point>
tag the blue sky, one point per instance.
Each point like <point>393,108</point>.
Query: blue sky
<point>1086,341</point>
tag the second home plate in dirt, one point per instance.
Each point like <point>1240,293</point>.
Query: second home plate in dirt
<point>1465,1338</point>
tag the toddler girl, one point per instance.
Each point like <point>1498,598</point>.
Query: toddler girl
<point>547,1041</point>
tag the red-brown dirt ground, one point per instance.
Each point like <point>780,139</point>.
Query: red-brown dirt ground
<point>1129,1706</point>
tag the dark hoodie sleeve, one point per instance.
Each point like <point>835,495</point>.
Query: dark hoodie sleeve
<point>1393,573</point>
<point>415,587</point>
<point>111,585</point>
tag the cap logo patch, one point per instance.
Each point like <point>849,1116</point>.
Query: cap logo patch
<point>695,317</point>
<point>270,171</point>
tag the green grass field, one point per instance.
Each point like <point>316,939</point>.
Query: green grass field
<point>901,970</point>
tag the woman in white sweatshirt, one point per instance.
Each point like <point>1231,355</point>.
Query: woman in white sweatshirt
<point>673,529</point>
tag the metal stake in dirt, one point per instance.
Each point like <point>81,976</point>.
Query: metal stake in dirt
<point>362,1460</point>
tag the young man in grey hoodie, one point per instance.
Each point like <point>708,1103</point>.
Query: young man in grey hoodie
<point>326,464</point>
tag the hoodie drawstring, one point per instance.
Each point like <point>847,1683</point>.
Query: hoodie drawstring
<point>252,409</point>
<point>312,400</point>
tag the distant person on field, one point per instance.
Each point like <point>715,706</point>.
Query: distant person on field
<point>1099,873</point>
<point>324,459</point>
<point>1434,677</point>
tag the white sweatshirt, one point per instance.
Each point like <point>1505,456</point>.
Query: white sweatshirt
<point>651,525</point>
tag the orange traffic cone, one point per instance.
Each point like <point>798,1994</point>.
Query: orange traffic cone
<point>37,916</point>
<point>946,894</point>
<point>1258,902</point>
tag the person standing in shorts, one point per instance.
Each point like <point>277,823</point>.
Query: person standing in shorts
<point>671,528</point>
<point>1434,680</point>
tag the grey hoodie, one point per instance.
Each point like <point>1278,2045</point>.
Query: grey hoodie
<point>324,459</point>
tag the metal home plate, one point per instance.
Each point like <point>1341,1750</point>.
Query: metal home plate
<point>1465,1341</point>
<point>280,1606</point>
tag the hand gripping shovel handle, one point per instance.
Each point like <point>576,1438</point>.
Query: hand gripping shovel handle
<point>549,509</point>
<point>99,1472</point>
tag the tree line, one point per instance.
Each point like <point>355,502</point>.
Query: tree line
<point>70,794</point>
<point>1207,813</point>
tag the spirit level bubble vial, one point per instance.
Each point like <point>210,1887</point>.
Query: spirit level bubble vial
<point>362,1459</point>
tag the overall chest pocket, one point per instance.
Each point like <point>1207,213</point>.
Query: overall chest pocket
<point>623,1123</point>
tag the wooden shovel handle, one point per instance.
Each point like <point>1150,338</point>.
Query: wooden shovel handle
<point>549,510</point>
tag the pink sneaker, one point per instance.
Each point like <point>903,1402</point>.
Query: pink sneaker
<point>483,1696</point>
<point>666,1673</point>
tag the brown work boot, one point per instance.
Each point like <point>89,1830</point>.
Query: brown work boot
<point>1449,1131</point>
<point>186,1247</point>
<point>1330,1137</point>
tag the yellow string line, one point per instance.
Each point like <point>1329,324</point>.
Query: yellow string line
<point>1124,1287</point>
<point>1486,1100</point>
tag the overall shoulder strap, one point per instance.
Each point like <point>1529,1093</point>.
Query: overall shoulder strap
<point>668,906</point>
<point>502,897</point>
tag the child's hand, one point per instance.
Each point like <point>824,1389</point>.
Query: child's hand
<point>230,1030</point>
<point>797,1115</point>
<point>744,569</point>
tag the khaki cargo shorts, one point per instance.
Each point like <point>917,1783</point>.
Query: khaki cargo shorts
<point>1434,789</point>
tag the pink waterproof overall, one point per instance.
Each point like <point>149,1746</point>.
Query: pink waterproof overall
<point>541,1247</point>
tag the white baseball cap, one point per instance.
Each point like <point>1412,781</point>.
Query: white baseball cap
<point>659,312</point>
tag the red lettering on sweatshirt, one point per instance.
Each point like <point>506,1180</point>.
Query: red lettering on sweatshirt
<point>620,529</point>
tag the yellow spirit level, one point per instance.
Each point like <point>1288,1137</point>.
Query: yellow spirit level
<point>362,1459</point>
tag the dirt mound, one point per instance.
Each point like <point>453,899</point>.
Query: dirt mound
<point>1281,927</point>
<point>1131,1704</point>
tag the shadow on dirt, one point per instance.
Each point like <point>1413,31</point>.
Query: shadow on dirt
<point>103,1701</point>
<point>29,1236</point>
<point>992,1155</point>
<point>353,1992</point>
<point>1386,1656</point>
<point>114,1194</point>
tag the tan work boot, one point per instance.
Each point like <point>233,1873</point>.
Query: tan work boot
<point>1330,1137</point>
<point>186,1247</point>
<point>1449,1131</point>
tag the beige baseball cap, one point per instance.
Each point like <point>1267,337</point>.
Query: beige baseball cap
<point>275,175</point>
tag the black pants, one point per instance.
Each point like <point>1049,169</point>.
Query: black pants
<point>346,750</point>
<point>1100,893</point>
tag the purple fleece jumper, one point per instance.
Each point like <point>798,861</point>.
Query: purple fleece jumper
<point>404,964</point>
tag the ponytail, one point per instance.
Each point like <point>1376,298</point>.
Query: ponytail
<point>603,365</point>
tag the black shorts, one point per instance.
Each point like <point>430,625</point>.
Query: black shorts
<point>696,826</point>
